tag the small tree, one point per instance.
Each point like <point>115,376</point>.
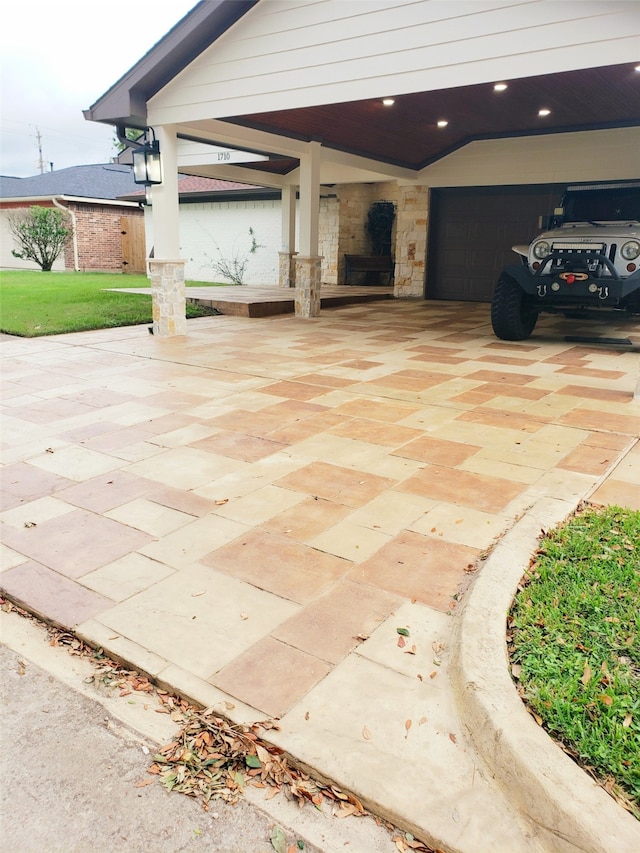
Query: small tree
<point>41,233</point>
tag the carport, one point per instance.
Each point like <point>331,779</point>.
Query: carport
<point>469,116</point>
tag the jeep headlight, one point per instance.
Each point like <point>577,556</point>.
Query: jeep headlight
<point>541,249</point>
<point>630,250</point>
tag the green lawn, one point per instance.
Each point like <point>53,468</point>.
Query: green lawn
<point>575,643</point>
<point>34,303</point>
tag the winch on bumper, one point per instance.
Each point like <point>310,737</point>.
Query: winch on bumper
<point>561,281</point>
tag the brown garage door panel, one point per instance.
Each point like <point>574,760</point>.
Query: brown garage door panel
<point>472,231</point>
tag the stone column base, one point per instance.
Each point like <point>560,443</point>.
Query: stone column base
<point>287,269</point>
<point>308,286</point>
<point>167,291</point>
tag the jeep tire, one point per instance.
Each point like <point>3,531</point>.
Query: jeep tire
<point>511,317</point>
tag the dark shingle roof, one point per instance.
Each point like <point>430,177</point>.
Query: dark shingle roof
<point>104,180</point>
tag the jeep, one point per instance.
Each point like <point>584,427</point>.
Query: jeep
<point>585,264</point>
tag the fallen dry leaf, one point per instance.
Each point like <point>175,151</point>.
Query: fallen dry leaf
<point>407,726</point>
<point>452,737</point>
<point>586,675</point>
<point>222,502</point>
<point>143,783</point>
<point>366,734</point>
<point>422,721</point>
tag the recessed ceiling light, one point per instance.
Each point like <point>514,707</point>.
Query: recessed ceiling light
<point>443,122</point>
<point>544,112</point>
<point>637,67</point>
<point>388,102</point>
<point>499,87</point>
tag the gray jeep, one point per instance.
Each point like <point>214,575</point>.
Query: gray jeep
<point>586,263</point>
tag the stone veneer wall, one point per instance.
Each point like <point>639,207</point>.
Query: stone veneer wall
<point>328,233</point>
<point>411,241</point>
<point>354,203</point>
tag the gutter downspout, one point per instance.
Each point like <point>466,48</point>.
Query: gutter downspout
<point>74,231</point>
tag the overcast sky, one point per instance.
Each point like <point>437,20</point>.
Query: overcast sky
<point>57,58</point>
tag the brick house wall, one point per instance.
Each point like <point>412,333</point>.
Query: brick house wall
<point>98,232</point>
<point>99,236</point>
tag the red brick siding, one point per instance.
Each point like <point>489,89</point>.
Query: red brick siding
<point>98,232</point>
<point>99,236</point>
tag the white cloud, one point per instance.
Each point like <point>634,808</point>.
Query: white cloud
<point>58,58</point>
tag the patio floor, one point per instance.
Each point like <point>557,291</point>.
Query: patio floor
<point>249,514</point>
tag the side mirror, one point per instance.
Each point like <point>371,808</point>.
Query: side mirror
<point>546,223</point>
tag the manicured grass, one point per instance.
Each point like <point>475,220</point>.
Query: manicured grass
<point>575,644</point>
<point>34,303</point>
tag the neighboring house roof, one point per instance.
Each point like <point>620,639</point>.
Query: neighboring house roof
<point>100,181</point>
<point>196,188</point>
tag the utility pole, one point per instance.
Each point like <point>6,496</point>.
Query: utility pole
<point>40,158</point>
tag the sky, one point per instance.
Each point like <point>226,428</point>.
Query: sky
<point>57,57</point>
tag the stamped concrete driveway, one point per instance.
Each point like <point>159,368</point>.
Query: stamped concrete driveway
<point>250,513</point>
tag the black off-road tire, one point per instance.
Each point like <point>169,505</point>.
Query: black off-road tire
<point>512,318</point>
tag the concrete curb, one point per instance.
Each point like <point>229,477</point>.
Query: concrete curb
<point>569,811</point>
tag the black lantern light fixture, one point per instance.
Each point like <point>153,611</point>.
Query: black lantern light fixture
<point>147,167</point>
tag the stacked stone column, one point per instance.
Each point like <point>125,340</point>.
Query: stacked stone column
<point>411,241</point>
<point>308,282</point>
<point>287,269</point>
<point>168,294</point>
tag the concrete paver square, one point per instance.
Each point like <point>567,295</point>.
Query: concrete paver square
<point>330,626</point>
<point>437,451</point>
<point>452,485</point>
<point>35,512</point>
<point>617,492</point>
<point>196,619</point>
<point>392,511</point>
<point>418,567</point>
<point>308,519</point>
<point>51,596</point>
<point>423,654</point>
<point>280,565</point>
<point>10,558</point>
<point>354,542</point>
<point>76,463</point>
<point>189,543</point>
<point>22,481</point>
<point>260,505</point>
<point>108,491</point>
<point>247,448</point>
<point>335,483</point>
<point>150,517</point>
<point>184,467</point>
<point>127,576</point>
<point>462,524</point>
<point>75,543</point>
<point>271,676</point>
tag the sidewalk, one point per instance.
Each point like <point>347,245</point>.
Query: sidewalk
<point>250,513</point>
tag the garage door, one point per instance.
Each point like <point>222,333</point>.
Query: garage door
<point>472,231</point>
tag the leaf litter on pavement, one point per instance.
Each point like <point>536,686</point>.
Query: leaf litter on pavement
<point>212,758</point>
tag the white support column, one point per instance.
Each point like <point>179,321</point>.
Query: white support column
<point>287,271</point>
<point>308,262</point>
<point>166,270</point>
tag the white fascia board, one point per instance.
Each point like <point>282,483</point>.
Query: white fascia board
<point>222,133</point>
<point>78,199</point>
<point>202,154</point>
<point>242,176</point>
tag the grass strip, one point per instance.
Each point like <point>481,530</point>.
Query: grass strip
<point>574,633</point>
<point>33,303</point>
